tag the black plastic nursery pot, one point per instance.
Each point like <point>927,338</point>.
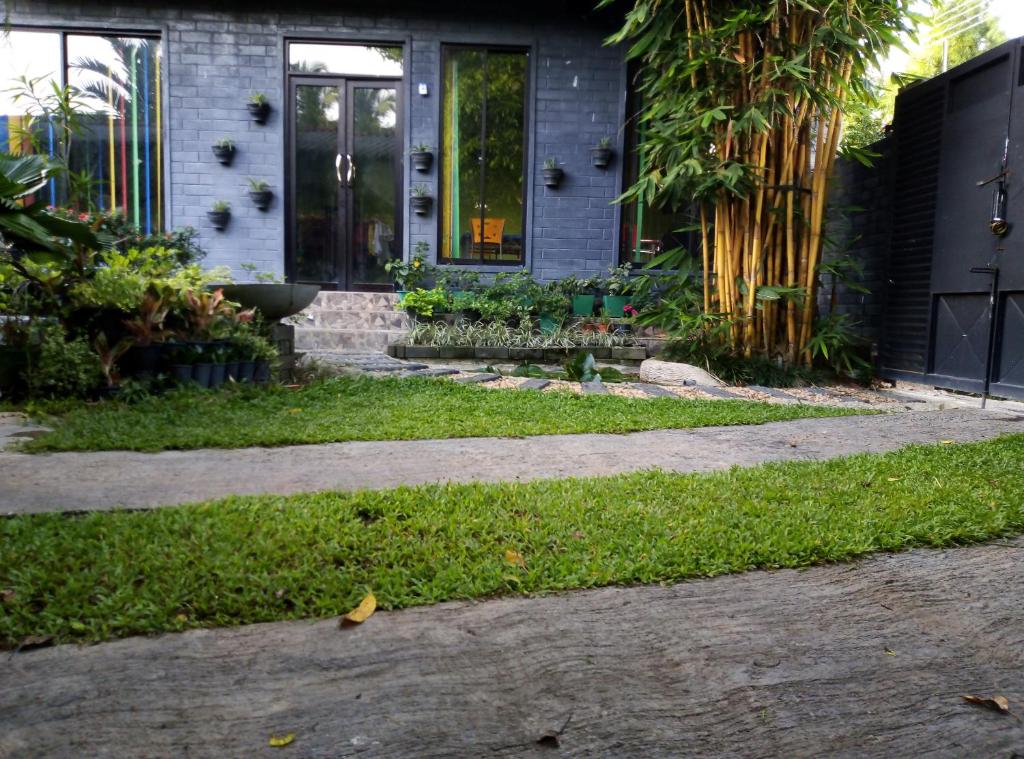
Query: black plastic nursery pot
<point>219,219</point>
<point>261,198</point>
<point>422,160</point>
<point>261,373</point>
<point>231,371</point>
<point>553,177</point>
<point>181,373</point>
<point>201,374</point>
<point>246,371</point>
<point>225,154</point>
<point>217,375</point>
<point>259,112</point>
<point>144,360</point>
<point>601,157</point>
<point>421,204</point>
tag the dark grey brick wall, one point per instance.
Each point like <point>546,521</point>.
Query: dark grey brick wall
<point>215,57</point>
<point>859,225</point>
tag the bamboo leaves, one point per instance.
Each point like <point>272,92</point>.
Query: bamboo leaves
<point>742,114</point>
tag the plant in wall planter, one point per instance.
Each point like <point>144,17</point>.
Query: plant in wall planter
<point>421,200</point>
<point>219,214</point>
<point>422,157</point>
<point>260,193</point>
<point>258,107</point>
<point>601,155</point>
<point>553,173</point>
<point>224,150</point>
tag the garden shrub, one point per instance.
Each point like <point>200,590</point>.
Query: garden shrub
<point>64,367</point>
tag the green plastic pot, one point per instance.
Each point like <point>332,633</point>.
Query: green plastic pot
<point>548,324</point>
<point>615,304</point>
<point>401,295</point>
<point>583,305</point>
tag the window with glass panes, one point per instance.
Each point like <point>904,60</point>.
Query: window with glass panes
<point>114,148</point>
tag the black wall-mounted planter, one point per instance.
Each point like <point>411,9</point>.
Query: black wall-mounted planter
<point>259,112</point>
<point>261,198</point>
<point>224,153</point>
<point>421,204</point>
<point>601,157</point>
<point>422,160</point>
<point>219,219</point>
<point>553,177</point>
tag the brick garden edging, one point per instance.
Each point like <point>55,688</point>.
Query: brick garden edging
<point>623,355</point>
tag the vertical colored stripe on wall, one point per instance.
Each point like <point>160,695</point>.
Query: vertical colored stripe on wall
<point>100,194</point>
<point>124,158</point>
<point>4,132</point>
<point>110,143</point>
<point>145,136</point>
<point>135,139</point>
<point>456,222</point>
<point>49,150</point>
<point>159,150</point>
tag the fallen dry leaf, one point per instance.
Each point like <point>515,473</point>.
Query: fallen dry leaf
<point>35,641</point>
<point>947,442</point>
<point>7,596</point>
<point>277,741</point>
<point>995,703</point>
<point>514,557</point>
<point>889,651</point>
<point>361,613</point>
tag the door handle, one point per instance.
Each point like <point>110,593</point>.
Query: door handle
<point>351,173</point>
<point>337,167</point>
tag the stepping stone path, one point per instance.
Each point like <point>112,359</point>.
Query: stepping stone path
<point>365,362</point>
<point>534,383</point>
<point>439,371</point>
<point>655,391</point>
<point>594,388</point>
<point>475,377</point>
<point>774,393</point>
<point>716,392</point>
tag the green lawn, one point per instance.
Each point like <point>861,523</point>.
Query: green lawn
<point>255,559</point>
<point>347,408</point>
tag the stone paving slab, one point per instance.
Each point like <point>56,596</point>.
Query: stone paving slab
<point>716,392</point>
<point>596,387</point>
<point>109,479</point>
<point>473,378</point>
<point>534,383</point>
<point>655,391</point>
<point>850,660</point>
<point>774,392</point>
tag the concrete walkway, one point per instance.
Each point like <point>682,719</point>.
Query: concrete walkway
<point>860,660</point>
<point>72,481</point>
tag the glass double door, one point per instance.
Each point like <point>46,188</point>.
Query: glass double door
<point>345,209</point>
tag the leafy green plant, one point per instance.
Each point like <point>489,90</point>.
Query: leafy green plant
<point>582,368</point>
<point>618,280</point>
<point>221,206</point>
<point>837,341</point>
<point>421,147</point>
<point>257,185</point>
<point>420,191</point>
<point>408,274</point>
<point>258,98</point>
<point>263,277</point>
<point>65,367</point>
<point>225,143</point>
<point>426,303</point>
<point>550,163</point>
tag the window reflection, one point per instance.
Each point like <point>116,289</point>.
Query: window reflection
<point>353,60</point>
<point>483,156</point>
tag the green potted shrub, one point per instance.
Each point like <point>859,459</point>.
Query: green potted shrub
<point>258,107</point>
<point>422,156</point>
<point>421,200</point>
<point>219,214</point>
<point>601,154</point>
<point>260,193</point>
<point>551,305</point>
<point>224,151</point>
<point>582,292</point>
<point>148,333</point>
<point>426,304</point>
<point>553,173</point>
<point>408,274</point>
<point>616,287</point>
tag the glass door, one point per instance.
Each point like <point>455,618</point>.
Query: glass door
<point>345,210</point>
<point>373,163</point>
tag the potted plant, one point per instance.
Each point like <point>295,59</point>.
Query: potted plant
<point>260,193</point>
<point>148,334</point>
<point>616,287</point>
<point>422,157</point>
<point>183,358</point>
<point>553,173</point>
<point>258,107</point>
<point>109,355</point>
<point>224,150</point>
<point>408,275</point>
<point>582,292</point>
<point>421,200</point>
<point>219,214</point>
<point>426,304</point>
<point>601,155</point>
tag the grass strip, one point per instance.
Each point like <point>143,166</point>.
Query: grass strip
<point>256,559</point>
<point>361,408</point>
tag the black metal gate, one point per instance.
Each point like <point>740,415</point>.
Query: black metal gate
<point>959,143</point>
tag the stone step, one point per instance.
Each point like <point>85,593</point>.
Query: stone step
<point>321,339</point>
<point>341,300</point>
<point>337,318</point>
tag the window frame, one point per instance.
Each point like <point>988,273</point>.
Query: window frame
<point>160,35</point>
<point>487,48</point>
